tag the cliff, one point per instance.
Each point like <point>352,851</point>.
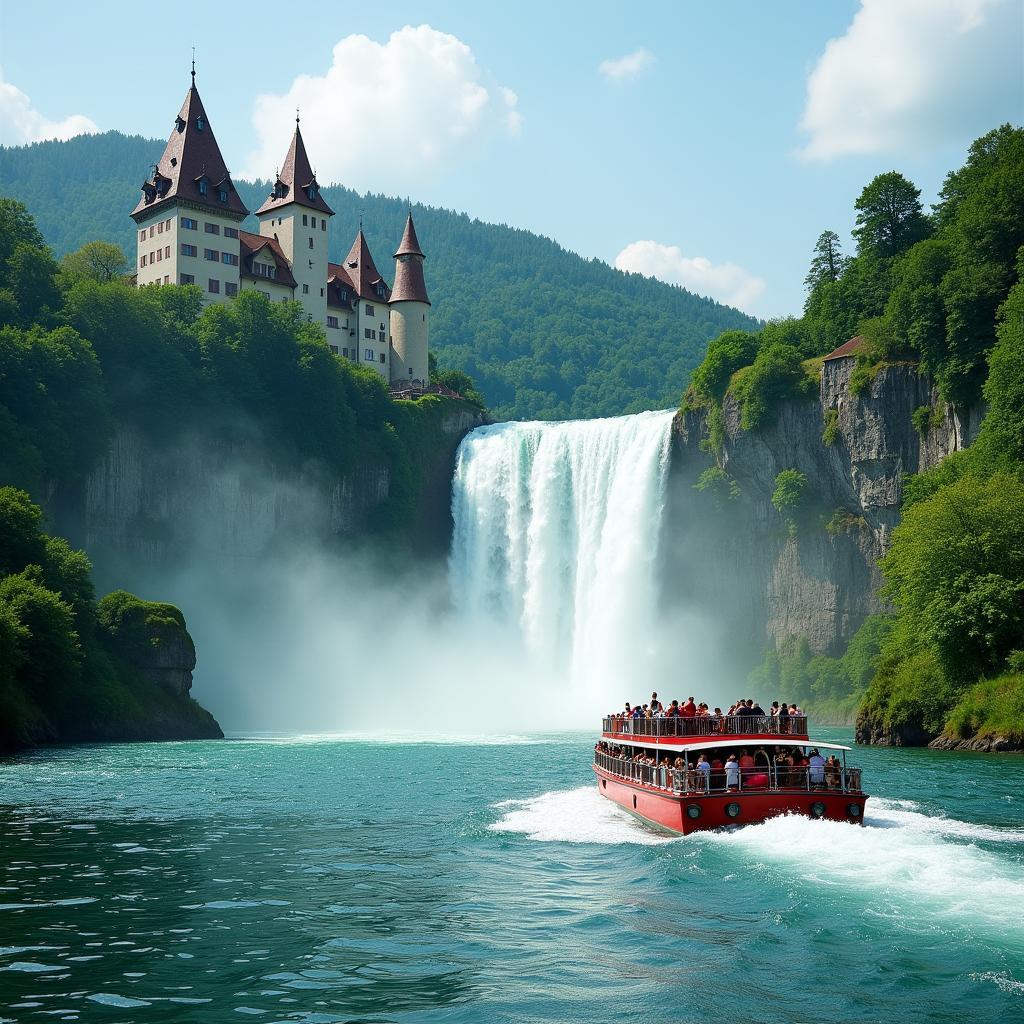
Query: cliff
<point>155,504</point>
<point>743,566</point>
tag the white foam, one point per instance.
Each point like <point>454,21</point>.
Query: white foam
<point>883,813</point>
<point>574,816</point>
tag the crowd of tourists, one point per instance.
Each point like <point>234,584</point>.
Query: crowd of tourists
<point>767,767</point>
<point>693,717</point>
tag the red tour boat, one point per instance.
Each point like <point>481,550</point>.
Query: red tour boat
<point>689,774</point>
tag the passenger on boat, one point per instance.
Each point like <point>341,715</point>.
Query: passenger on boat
<point>704,770</point>
<point>689,709</point>
<point>833,772</point>
<point>784,767</point>
<point>817,769</point>
<point>732,773</point>
<point>746,762</point>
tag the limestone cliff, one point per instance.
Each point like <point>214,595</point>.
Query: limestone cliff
<point>745,567</point>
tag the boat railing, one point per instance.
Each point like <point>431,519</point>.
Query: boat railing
<point>760,778</point>
<point>724,725</point>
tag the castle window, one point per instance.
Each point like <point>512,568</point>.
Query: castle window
<point>188,279</point>
<point>211,229</point>
<point>167,224</point>
<point>202,188</point>
<point>152,257</point>
<point>332,321</point>
<point>213,287</point>
<point>311,243</point>
<point>190,224</point>
<point>159,255</point>
<point>142,260</point>
<point>311,192</point>
<point>150,230</point>
<point>305,220</point>
<point>179,124</point>
<point>334,349</point>
<point>188,250</point>
<point>368,355</point>
<point>167,278</point>
<point>160,228</point>
<point>230,288</point>
<point>323,224</point>
<point>211,254</point>
<point>344,352</point>
<point>229,258</point>
<point>305,289</point>
<point>167,252</point>
<point>200,123</point>
<point>369,310</point>
<point>223,195</point>
<point>142,235</point>
<point>369,332</point>
<point>231,232</point>
<point>382,357</point>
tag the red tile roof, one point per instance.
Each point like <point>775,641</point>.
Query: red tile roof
<point>295,181</point>
<point>847,350</point>
<point>359,268</point>
<point>410,244</point>
<point>191,156</point>
<point>250,245</point>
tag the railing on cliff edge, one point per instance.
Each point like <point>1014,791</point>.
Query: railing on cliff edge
<point>727,725</point>
<point>411,389</point>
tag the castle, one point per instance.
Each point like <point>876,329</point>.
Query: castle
<point>189,232</point>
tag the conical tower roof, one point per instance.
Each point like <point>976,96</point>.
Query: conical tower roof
<point>362,272</point>
<point>410,244</point>
<point>409,283</point>
<point>296,183</point>
<point>191,160</point>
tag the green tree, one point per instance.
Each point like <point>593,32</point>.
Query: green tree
<point>94,261</point>
<point>21,543</point>
<point>828,262</point>
<point>730,351</point>
<point>890,217</point>
<point>789,496</point>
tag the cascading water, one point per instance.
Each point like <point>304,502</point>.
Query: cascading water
<point>556,537</point>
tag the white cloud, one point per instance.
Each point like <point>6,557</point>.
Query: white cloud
<point>911,72</point>
<point>21,123</point>
<point>632,64</point>
<point>384,114</point>
<point>725,282</point>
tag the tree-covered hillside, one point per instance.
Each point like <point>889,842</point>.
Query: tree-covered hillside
<point>545,333</point>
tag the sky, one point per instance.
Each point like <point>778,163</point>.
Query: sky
<point>707,144</point>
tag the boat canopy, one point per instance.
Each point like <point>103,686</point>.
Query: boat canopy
<point>727,741</point>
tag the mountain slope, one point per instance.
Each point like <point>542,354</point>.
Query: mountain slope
<point>546,333</point>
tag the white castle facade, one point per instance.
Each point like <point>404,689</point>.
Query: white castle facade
<point>189,232</point>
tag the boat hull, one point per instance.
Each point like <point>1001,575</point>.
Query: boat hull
<point>669,812</point>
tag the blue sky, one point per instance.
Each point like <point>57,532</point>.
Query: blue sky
<point>713,146</point>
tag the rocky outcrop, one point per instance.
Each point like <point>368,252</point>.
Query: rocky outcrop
<point>986,743</point>
<point>736,559</point>
<point>873,732</point>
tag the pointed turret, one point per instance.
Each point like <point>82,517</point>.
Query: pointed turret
<point>362,271</point>
<point>296,182</point>
<point>191,168</point>
<point>409,283</point>
<point>410,311</point>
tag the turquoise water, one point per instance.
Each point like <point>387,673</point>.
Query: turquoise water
<point>322,880</point>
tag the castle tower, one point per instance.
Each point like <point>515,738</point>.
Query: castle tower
<point>371,317</point>
<point>295,215</point>
<point>410,311</point>
<point>189,213</point>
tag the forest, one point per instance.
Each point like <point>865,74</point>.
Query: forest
<point>82,353</point>
<point>545,333</point>
<point>941,289</point>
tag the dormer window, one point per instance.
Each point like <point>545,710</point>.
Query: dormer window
<point>200,123</point>
<point>311,192</point>
<point>222,195</point>
<point>179,124</point>
<point>149,191</point>
<point>203,187</point>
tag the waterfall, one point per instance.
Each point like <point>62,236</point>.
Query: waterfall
<point>556,538</point>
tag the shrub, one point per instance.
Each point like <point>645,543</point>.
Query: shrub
<point>789,496</point>
<point>777,373</point>
<point>830,434</point>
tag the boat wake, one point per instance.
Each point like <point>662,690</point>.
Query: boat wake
<point>574,816</point>
<point>901,853</point>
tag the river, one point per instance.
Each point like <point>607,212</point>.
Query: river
<point>328,879</point>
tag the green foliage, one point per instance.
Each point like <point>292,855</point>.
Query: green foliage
<point>994,707</point>
<point>909,692</point>
<point>777,373</point>
<point>725,355</point>
<point>828,262</point>
<point>717,484</point>
<point>955,573</point>
<point>829,688</point>
<point>790,496</point>
<point>830,434</point>
<point>544,333</point>
<point>57,680</point>
<point>890,218</point>
<point>844,521</point>
<point>926,418</point>
<point>94,261</point>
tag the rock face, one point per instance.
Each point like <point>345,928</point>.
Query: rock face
<point>148,504</point>
<point>736,560</point>
<point>985,744</point>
